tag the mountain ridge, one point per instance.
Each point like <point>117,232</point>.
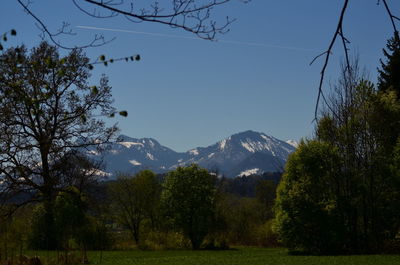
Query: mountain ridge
<point>241,153</point>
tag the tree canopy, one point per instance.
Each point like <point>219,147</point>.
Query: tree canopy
<point>48,112</point>
<point>189,199</point>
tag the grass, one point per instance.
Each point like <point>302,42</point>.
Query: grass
<point>241,256</point>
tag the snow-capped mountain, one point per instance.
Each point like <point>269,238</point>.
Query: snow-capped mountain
<point>244,153</point>
<point>130,155</point>
<point>293,143</point>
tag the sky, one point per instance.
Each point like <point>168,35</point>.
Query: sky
<point>187,92</point>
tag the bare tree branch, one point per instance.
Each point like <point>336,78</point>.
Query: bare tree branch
<point>194,16</point>
<point>327,53</point>
<point>340,34</point>
<point>391,16</point>
<point>189,15</point>
<point>98,40</point>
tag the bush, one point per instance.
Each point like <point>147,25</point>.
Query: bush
<point>164,241</point>
<point>265,235</point>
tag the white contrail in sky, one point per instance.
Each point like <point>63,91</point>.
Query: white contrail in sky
<point>194,38</point>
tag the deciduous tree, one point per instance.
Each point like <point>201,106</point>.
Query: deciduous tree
<point>189,199</point>
<point>135,199</point>
<point>48,111</point>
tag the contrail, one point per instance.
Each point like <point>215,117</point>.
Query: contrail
<point>194,38</point>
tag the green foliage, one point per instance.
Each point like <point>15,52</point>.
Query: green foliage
<point>266,194</point>
<point>339,194</point>
<point>37,238</point>
<point>136,199</point>
<point>74,227</point>
<point>189,199</point>
<point>306,206</point>
<point>164,240</point>
<point>13,233</point>
<point>266,236</point>
<point>46,106</point>
<point>69,215</point>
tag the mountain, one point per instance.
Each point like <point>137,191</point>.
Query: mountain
<point>243,153</point>
<point>293,143</point>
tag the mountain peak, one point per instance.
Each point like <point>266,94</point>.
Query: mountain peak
<point>248,133</point>
<point>240,153</point>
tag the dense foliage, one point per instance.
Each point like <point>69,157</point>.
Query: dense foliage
<point>47,112</point>
<point>135,199</point>
<point>341,192</point>
<point>189,199</point>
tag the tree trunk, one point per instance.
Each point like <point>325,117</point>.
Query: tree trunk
<point>50,238</point>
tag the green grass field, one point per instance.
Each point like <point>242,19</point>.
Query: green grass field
<point>241,256</point>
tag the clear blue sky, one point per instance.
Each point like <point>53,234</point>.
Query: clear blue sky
<point>189,92</point>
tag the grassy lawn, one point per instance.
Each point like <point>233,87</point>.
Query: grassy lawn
<point>241,256</point>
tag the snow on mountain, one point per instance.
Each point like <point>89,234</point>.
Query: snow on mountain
<point>249,172</point>
<point>293,143</point>
<point>239,154</point>
<point>129,155</point>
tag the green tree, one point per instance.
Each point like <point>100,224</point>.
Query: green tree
<point>351,195</point>
<point>266,194</point>
<point>48,111</point>
<point>135,199</point>
<point>69,214</point>
<point>365,133</point>
<point>389,78</point>
<point>307,214</point>
<point>188,197</point>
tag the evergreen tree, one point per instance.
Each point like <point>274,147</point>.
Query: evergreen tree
<point>389,74</point>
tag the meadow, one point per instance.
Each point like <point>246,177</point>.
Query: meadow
<point>239,256</point>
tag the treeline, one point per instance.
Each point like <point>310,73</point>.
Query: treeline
<point>187,208</point>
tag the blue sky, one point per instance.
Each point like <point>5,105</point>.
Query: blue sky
<point>189,92</point>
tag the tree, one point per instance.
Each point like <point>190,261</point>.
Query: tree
<point>307,214</point>
<point>365,135</point>
<point>48,112</point>
<point>388,74</point>
<point>266,194</point>
<point>344,180</point>
<point>135,199</point>
<point>189,199</point>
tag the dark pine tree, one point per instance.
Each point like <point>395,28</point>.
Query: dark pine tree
<point>389,74</point>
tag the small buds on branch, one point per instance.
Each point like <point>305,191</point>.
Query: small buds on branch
<point>97,41</point>
<point>4,37</point>
<point>102,60</point>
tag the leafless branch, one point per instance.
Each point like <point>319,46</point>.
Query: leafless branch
<point>97,41</point>
<point>327,53</point>
<point>391,16</point>
<point>189,15</point>
<point>340,34</point>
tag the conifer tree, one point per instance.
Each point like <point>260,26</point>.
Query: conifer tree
<point>389,74</point>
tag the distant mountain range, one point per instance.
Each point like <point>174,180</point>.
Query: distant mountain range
<point>244,153</point>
